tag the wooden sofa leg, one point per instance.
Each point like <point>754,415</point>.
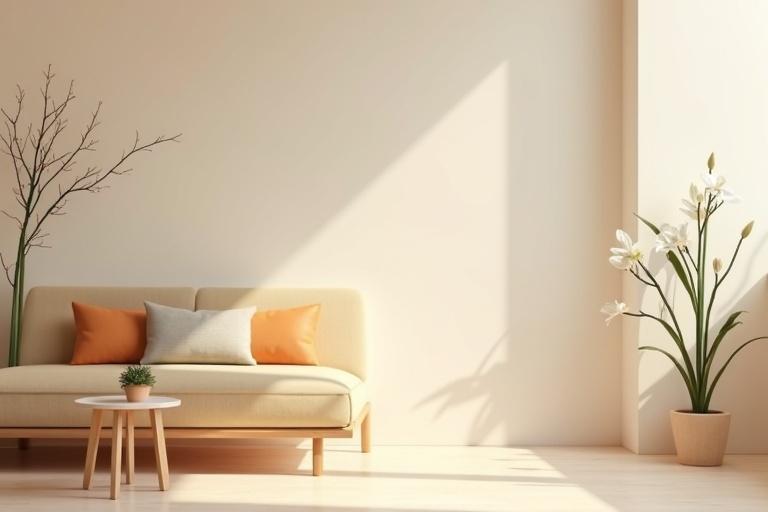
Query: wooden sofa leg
<point>23,443</point>
<point>317,456</point>
<point>365,433</point>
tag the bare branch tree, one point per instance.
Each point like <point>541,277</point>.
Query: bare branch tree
<point>47,177</point>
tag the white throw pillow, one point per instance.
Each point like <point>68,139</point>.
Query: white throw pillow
<point>207,337</point>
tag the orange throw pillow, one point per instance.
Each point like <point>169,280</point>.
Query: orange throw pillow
<point>285,336</point>
<point>106,336</point>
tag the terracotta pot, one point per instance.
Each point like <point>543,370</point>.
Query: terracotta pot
<point>700,439</point>
<point>137,393</point>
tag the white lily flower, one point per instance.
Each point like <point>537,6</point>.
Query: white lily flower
<point>671,238</point>
<point>696,211</point>
<point>715,184</point>
<point>613,309</point>
<point>695,207</point>
<point>625,256</point>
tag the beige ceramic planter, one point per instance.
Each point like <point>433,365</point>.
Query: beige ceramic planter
<point>700,439</point>
<point>137,393</point>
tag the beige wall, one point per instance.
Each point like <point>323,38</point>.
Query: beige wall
<point>701,88</point>
<point>458,162</point>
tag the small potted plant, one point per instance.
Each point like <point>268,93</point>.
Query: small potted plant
<point>137,381</point>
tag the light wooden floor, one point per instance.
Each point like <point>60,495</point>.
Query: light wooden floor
<point>405,479</point>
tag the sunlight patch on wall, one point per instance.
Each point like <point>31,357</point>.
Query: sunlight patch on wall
<point>433,224</point>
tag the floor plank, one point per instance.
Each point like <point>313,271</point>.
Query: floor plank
<point>391,478</point>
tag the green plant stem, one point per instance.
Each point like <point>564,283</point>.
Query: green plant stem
<point>725,365</point>
<point>718,282</point>
<point>697,405</point>
<point>730,323</point>
<point>17,303</point>
<point>700,331</point>
<point>640,278</point>
<point>655,284</point>
<point>690,257</point>
<point>691,386</point>
<point>696,377</point>
<point>679,340</point>
<point>688,270</point>
<point>689,375</point>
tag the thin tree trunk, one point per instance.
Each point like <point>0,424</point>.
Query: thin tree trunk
<point>39,170</point>
<point>17,304</point>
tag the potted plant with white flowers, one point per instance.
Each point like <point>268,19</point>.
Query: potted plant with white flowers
<point>700,434</point>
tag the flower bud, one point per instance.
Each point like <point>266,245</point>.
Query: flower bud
<point>747,229</point>
<point>695,195</point>
<point>711,162</point>
<point>717,264</point>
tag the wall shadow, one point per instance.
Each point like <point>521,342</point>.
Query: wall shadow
<point>486,384</point>
<point>286,132</point>
<point>555,379</point>
<point>322,116</point>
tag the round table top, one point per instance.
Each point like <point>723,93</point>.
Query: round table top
<point>119,402</point>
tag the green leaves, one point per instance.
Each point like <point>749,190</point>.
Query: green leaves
<point>648,223</point>
<point>680,271</point>
<point>729,324</point>
<point>692,273</point>
<point>725,365</point>
<point>680,345</point>
<point>688,384</point>
<point>679,266</point>
<point>137,376</point>
<point>675,261</point>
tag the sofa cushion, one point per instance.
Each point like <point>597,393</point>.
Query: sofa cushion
<point>214,396</point>
<point>340,340</point>
<point>285,336</point>
<point>177,335</point>
<point>106,335</point>
<point>48,327</point>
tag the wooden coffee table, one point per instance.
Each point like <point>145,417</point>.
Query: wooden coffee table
<point>122,413</point>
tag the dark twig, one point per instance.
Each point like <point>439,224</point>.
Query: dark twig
<point>48,175</point>
<point>7,269</point>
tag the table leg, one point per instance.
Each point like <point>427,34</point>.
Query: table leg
<point>117,453</point>
<point>317,456</point>
<point>93,447</point>
<point>161,458</point>
<point>129,447</point>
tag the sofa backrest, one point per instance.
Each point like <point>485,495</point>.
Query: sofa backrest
<point>340,331</point>
<point>48,328</point>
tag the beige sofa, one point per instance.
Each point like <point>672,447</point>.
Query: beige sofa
<point>218,401</point>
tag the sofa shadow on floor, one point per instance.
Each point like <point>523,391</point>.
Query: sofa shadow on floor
<point>278,460</point>
<point>403,481</point>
